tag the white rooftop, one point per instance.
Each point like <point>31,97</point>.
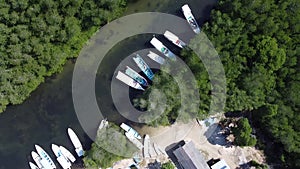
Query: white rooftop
<point>220,165</point>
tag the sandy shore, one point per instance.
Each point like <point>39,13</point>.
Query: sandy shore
<point>193,131</point>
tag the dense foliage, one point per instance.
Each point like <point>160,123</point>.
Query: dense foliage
<point>167,165</point>
<point>243,133</point>
<point>258,42</point>
<point>38,36</point>
<point>110,146</point>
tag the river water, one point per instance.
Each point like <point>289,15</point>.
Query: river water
<point>45,116</point>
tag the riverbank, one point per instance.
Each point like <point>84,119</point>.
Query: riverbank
<point>199,133</point>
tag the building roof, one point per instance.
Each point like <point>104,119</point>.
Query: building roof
<point>189,157</point>
<point>220,165</point>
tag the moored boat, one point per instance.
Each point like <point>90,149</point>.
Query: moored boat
<point>103,124</point>
<point>134,140</point>
<point>174,39</point>
<point>136,76</point>
<point>67,154</point>
<point>143,66</point>
<point>190,18</point>
<point>130,131</point>
<point>36,158</point>
<point>46,161</point>
<point>76,142</point>
<point>128,80</point>
<point>63,161</point>
<point>33,166</point>
<point>156,57</point>
<point>162,48</point>
<point>146,147</point>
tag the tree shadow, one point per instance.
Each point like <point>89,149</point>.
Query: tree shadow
<point>216,135</point>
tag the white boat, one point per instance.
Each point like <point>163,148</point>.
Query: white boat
<point>46,161</point>
<point>36,158</point>
<point>162,48</point>
<point>33,166</point>
<point>129,81</point>
<point>174,39</point>
<point>146,146</point>
<point>134,140</point>
<point>136,76</point>
<point>103,124</point>
<point>76,142</point>
<point>190,18</point>
<point>156,57</point>
<point>130,131</point>
<point>63,161</point>
<point>67,154</point>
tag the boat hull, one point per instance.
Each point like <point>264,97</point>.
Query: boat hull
<point>67,154</point>
<point>190,18</point>
<point>63,161</point>
<point>130,131</point>
<point>33,166</point>
<point>46,160</point>
<point>160,60</point>
<point>36,158</point>
<point>128,80</point>
<point>136,76</point>
<point>162,48</point>
<point>143,66</point>
<point>76,142</point>
<point>174,39</point>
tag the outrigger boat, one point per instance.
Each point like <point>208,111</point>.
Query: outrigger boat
<point>130,131</point>
<point>156,57</point>
<point>76,142</point>
<point>46,161</point>
<point>136,76</point>
<point>162,48</point>
<point>63,161</point>
<point>143,66</point>
<point>33,166</point>
<point>129,81</point>
<point>190,18</point>
<point>174,39</point>
<point>67,154</point>
<point>37,159</point>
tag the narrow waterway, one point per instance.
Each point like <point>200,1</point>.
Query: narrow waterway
<point>45,116</point>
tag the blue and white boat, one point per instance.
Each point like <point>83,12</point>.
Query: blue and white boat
<point>63,161</point>
<point>136,76</point>
<point>76,142</point>
<point>46,161</point>
<point>162,48</point>
<point>143,66</point>
<point>187,12</point>
<point>130,131</point>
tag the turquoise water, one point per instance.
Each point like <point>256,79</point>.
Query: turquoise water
<point>44,118</point>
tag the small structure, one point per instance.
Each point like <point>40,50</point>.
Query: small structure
<point>220,164</point>
<point>189,157</point>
